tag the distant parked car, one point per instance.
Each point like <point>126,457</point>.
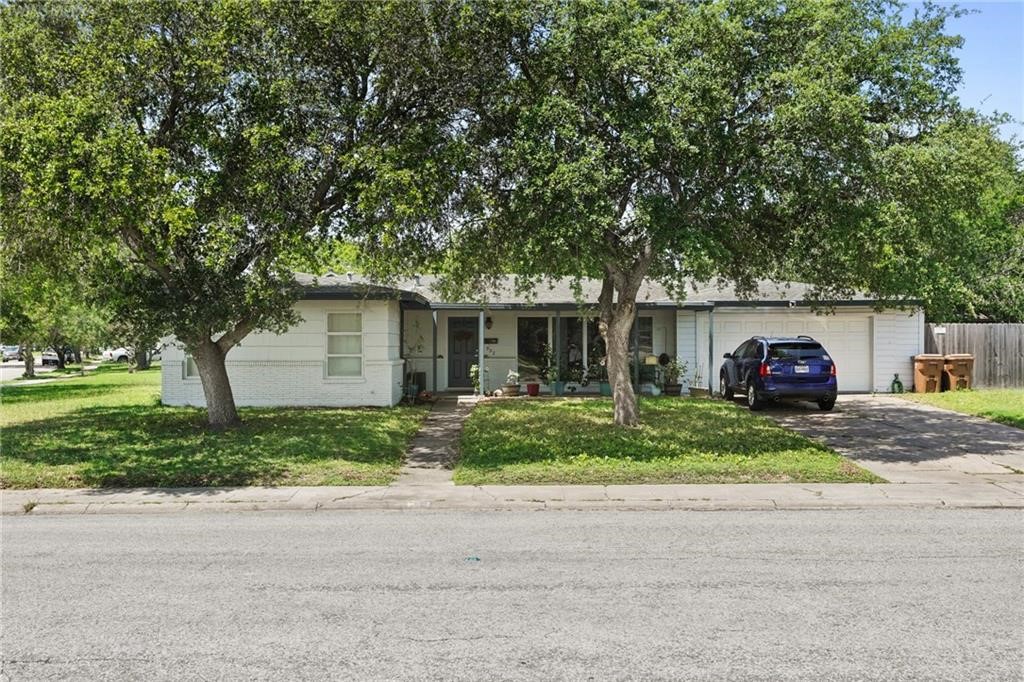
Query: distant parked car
<point>50,358</point>
<point>768,368</point>
<point>118,354</point>
<point>11,353</point>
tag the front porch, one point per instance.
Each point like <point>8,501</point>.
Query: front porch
<point>543,344</point>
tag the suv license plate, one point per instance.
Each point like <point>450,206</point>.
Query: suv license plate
<point>802,369</point>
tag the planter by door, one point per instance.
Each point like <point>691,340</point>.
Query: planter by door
<point>673,389</point>
<point>606,388</point>
<point>558,388</point>
<point>510,389</point>
<point>533,389</point>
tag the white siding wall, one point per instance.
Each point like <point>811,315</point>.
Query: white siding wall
<point>899,335</point>
<point>290,369</point>
<point>686,342</point>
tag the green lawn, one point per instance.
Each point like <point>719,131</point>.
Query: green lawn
<point>1003,405</point>
<point>108,429</point>
<point>681,440</point>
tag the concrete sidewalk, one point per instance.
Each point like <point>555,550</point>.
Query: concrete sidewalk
<point>1008,493</point>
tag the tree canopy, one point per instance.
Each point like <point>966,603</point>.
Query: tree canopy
<point>193,151</point>
<point>734,140</point>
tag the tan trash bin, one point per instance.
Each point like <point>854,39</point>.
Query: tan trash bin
<point>928,373</point>
<point>959,370</point>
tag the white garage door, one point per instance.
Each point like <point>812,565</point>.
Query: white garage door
<point>846,336</point>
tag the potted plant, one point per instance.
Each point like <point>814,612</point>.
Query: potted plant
<point>511,387</point>
<point>597,371</point>
<point>474,375</point>
<point>545,373</point>
<point>673,370</point>
<point>697,387</point>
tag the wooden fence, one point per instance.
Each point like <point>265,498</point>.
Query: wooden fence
<point>998,350</point>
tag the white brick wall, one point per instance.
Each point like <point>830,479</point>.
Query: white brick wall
<point>898,335</point>
<point>289,369</point>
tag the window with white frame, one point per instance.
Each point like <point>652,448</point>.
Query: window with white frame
<point>191,371</point>
<point>344,344</point>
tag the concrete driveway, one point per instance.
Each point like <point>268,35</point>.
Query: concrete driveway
<point>906,442</point>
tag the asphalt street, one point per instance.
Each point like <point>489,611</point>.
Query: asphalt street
<point>13,369</point>
<point>810,595</point>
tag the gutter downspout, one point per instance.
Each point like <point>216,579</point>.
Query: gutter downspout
<point>711,348</point>
<point>480,356</point>
<point>433,346</point>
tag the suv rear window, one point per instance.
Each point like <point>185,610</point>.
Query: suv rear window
<point>797,351</point>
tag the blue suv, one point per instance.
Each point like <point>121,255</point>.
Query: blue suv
<point>769,368</point>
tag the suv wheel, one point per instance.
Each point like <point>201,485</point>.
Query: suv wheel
<point>724,388</point>
<point>826,404</point>
<point>753,401</point>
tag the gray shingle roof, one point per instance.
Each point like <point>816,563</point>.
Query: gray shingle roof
<point>552,292</point>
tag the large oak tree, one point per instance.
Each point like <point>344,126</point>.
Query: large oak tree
<point>730,139</point>
<point>192,151</point>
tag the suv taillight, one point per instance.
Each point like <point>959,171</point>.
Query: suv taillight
<point>832,370</point>
<point>766,371</point>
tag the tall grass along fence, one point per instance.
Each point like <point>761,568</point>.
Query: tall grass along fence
<point>998,350</point>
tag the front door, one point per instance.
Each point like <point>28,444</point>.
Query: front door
<point>463,347</point>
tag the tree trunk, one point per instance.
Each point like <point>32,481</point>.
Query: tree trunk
<point>220,402</point>
<point>142,359</point>
<point>59,349</point>
<point>616,324</point>
<point>78,355</point>
<point>30,361</point>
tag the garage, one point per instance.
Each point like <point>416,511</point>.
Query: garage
<point>846,335</point>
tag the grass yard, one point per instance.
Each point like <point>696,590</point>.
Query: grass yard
<point>109,429</point>
<point>681,440</point>
<point>1003,405</point>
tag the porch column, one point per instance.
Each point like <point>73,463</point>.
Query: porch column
<point>558,346</point>
<point>636,354</point>
<point>480,357</point>
<point>433,346</point>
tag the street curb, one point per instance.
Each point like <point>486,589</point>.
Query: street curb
<point>448,497</point>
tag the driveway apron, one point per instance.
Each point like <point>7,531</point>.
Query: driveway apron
<point>908,442</point>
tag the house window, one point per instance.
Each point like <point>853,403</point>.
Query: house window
<point>344,344</point>
<point>191,371</point>
<point>644,327</point>
<point>532,343</point>
<point>572,352</point>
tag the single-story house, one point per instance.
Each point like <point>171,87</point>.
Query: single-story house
<point>357,342</point>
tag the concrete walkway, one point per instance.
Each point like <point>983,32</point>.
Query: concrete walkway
<point>434,448</point>
<point>750,496</point>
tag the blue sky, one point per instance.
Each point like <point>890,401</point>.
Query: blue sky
<point>992,58</point>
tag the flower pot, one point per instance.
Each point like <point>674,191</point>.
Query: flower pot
<point>606,388</point>
<point>696,392</point>
<point>533,389</point>
<point>510,389</point>
<point>412,391</point>
<point>673,389</point>
<point>558,387</point>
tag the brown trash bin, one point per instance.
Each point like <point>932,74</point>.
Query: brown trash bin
<point>959,371</point>
<point>928,373</point>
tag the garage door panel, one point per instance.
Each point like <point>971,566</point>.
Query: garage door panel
<point>846,336</point>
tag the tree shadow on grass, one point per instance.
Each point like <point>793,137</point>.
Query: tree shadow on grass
<point>147,445</point>
<point>526,432</point>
